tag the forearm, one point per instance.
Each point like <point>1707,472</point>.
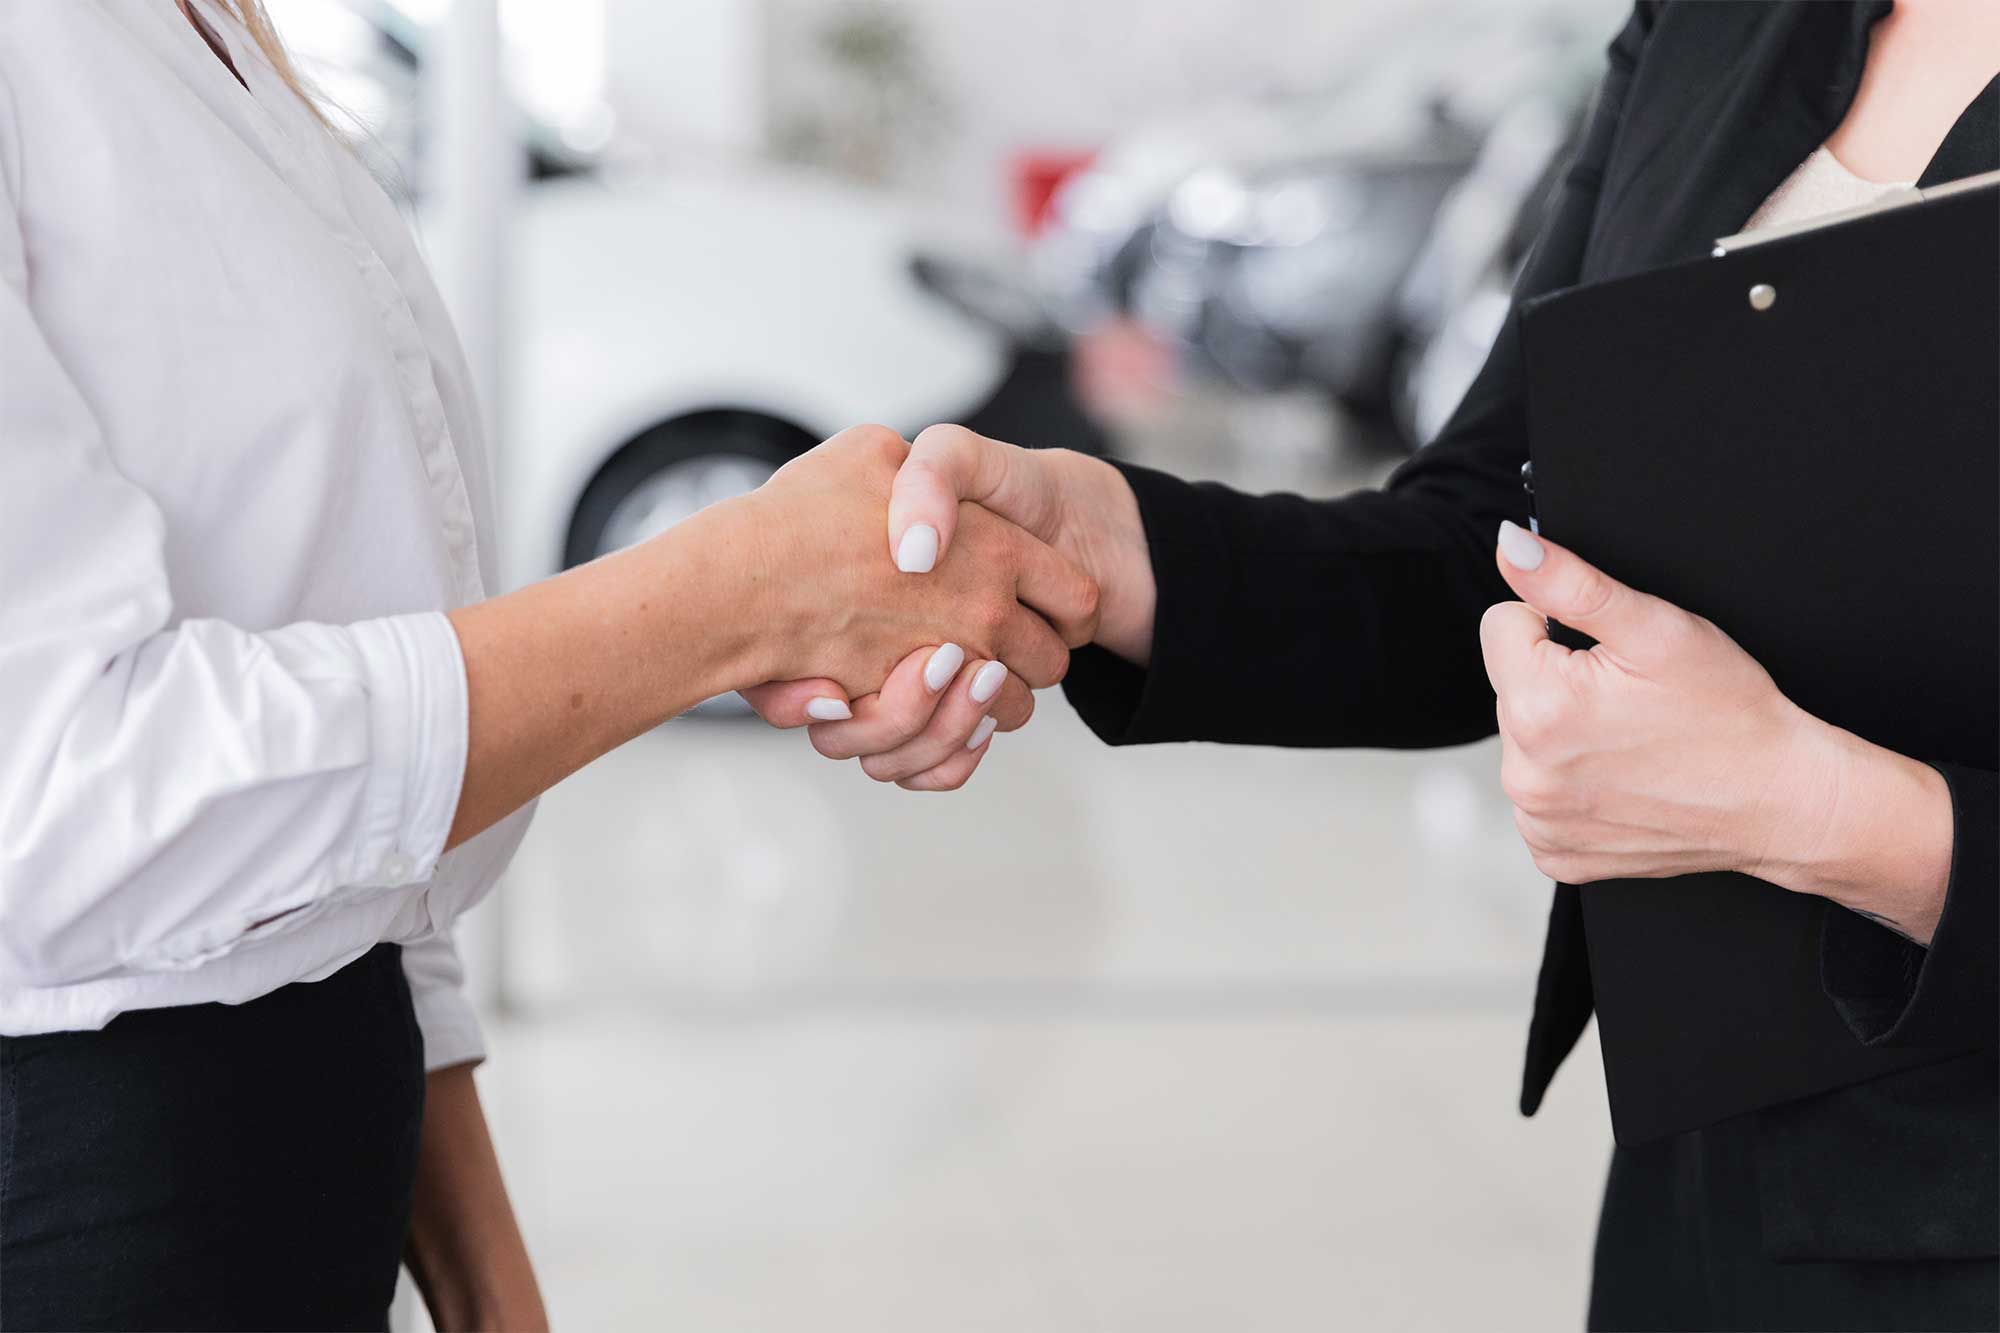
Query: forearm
<point>1866,828</point>
<point>570,668</point>
<point>465,1248</point>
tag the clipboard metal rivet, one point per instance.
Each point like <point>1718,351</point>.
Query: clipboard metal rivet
<point>1763,296</point>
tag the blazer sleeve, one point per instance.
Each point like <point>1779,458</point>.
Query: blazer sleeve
<point>1894,993</point>
<point>1287,621</point>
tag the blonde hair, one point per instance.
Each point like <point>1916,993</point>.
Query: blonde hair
<point>256,22</point>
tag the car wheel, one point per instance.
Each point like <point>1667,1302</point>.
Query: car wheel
<point>672,472</point>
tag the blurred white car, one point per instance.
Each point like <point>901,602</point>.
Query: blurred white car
<point>678,339</point>
<point>676,336</point>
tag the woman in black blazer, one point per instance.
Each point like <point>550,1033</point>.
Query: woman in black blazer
<point>1275,620</point>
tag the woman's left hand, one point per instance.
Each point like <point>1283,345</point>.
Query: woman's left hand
<point>464,1247</point>
<point>926,729</point>
<point>1667,750</point>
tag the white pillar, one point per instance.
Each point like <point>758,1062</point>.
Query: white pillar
<point>471,170</point>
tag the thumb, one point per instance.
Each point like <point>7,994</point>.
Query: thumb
<point>1563,586</point>
<point>794,703</point>
<point>948,464</point>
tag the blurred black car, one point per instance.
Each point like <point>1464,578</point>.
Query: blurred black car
<point>1457,293</point>
<point>1276,248</point>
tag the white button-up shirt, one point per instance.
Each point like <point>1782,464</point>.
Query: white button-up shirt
<point>241,479</point>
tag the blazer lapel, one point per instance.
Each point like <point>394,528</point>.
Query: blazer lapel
<point>1973,146</point>
<point>1785,75</point>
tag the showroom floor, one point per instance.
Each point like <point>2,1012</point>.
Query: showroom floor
<point>1182,1039</point>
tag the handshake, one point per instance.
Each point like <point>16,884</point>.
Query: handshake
<point>904,600</point>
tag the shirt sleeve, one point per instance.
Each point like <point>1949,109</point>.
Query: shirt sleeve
<point>452,1035</point>
<point>1287,621</point>
<point>173,790</point>
<point>1892,992</point>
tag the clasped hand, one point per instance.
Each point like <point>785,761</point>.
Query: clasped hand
<point>911,674</point>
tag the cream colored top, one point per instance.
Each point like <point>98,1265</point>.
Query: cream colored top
<point>1821,185</point>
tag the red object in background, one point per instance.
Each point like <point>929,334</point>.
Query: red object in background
<point>1036,175</point>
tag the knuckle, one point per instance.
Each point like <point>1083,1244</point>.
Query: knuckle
<point>1089,597</point>
<point>1042,669</point>
<point>991,619</point>
<point>1591,593</point>
<point>877,437</point>
<point>1677,634</point>
<point>1529,789</point>
<point>1531,716</point>
<point>943,437</point>
<point>881,767</point>
<point>907,721</point>
<point>1017,709</point>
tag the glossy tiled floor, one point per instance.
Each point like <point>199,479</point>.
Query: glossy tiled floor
<point>1193,1038</point>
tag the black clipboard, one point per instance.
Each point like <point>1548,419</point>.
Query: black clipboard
<point>1798,438</point>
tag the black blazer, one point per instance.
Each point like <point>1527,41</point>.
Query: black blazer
<point>1354,622</point>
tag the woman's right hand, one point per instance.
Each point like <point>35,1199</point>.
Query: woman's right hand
<point>830,605</point>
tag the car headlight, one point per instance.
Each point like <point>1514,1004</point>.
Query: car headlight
<point>1210,205</point>
<point>1296,211</point>
<point>1215,205</point>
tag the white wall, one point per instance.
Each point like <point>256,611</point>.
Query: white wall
<point>1075,72</point>
<point>687,74</point>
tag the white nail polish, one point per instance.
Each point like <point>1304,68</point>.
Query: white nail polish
<point>917,552</point>
<point>982,733</point>
<point>944,664</point>
<point>824,709</point>
<point>986,681</point>
<point>1519,547</point>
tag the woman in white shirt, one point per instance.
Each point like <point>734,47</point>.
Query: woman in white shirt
<point>266,724</point>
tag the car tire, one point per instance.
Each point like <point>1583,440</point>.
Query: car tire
<point>669,473</point>
<point>674,469</point>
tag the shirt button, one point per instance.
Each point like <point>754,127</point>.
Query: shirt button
<point>398,867</point>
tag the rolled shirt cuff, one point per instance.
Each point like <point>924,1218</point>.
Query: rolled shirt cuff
<point>418,727</point>
<point>450,1026</point>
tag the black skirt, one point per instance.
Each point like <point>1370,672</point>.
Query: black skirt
<point>215,1166</point>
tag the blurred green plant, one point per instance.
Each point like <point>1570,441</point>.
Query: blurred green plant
<point>867,108</point>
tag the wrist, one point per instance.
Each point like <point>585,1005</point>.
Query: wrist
<point>1101,531</point>
<point>1865,827</point>
<point>714,574</point>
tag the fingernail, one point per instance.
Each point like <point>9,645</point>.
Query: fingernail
<point>982,733</point>
<point>917,552</point>
<point>987,680</point>
<point>1519,547</point>
<point>944,664</point>
<point>824,709</point>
